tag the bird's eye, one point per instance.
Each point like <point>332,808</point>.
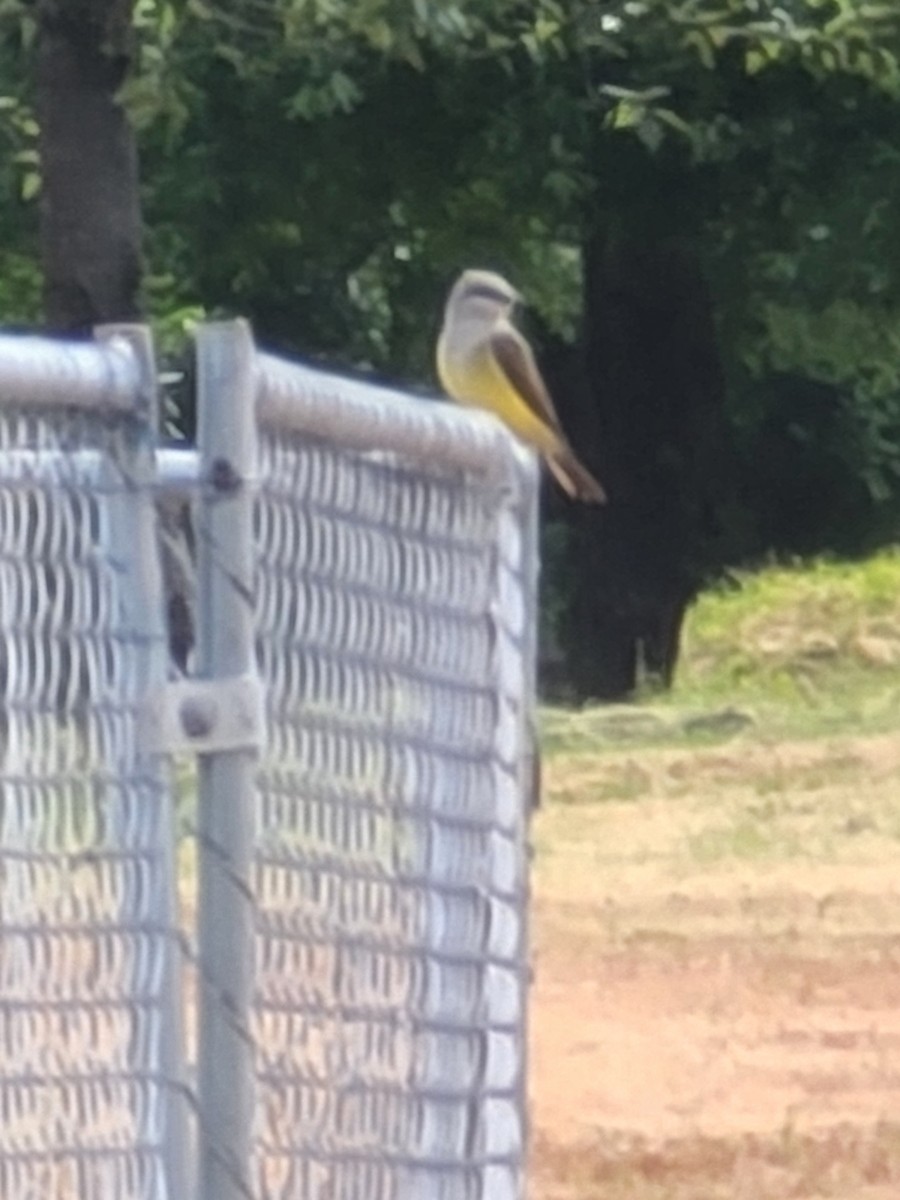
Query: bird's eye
<point>486,292</point>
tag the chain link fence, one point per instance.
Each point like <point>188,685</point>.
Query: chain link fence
<point>355,936</point>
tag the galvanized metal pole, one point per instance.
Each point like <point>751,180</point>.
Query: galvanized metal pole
<point>225,649</point>
<point>532,781</point>
<point>134,546</point>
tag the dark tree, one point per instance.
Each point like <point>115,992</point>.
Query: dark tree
<point>90,210</point>
<point>653,424</point>
<point>90,228</point>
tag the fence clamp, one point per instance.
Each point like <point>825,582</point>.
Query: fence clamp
<point>205,716</point>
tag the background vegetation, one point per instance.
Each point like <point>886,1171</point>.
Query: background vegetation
<point>699,197</point>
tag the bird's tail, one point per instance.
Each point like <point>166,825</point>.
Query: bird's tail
<point>574,478</point>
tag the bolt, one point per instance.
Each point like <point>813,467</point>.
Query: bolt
<point>223,476</point>
<point>198,717</point>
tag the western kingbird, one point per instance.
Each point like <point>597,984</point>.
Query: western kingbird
<point>484,361</point>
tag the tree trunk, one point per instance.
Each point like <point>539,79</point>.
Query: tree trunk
<point>90,229</point>
<point>653,419</point>
<point>90,208</point>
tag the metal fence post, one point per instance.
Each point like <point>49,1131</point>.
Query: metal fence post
<point>135,548</point>
<point>225,649</point>
<point>532,774</point>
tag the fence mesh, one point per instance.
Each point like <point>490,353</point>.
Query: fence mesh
<point>83,826</point>
<point>394,632</point>
<point>393,627</point>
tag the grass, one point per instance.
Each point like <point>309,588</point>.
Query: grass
<point>648,820</point>
<point>775,746</point>
<point>809,648</point>
<point>791,651</point>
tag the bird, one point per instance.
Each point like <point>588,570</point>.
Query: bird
<point>483,361</point>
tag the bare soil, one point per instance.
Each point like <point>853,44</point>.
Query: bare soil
<point>719,1025</point>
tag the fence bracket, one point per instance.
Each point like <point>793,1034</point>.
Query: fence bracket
<point>200,716</point>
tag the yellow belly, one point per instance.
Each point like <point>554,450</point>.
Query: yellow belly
<point>477,381</point>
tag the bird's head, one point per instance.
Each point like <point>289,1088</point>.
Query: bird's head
<point>483,293</point>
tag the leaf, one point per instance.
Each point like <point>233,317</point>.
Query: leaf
<point>674,121</point>
<point>344,89</point>
<point>645,96</point>
<point>650,132</point>
<point>625,115</point>
<point>546,30</point>
<point>701,43</point>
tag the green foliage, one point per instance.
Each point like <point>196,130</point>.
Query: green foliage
<point>360,150</point>
<point>511,96</point>
<point>410,137</point>
<point>841,344</point>
<point>19,175</point>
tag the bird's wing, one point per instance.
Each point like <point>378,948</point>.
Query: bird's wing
<point>514,356</point>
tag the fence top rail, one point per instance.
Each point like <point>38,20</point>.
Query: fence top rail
<point>43,372</point>
<point>367,417</point>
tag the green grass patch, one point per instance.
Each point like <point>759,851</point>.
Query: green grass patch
<point>787,651</point>
<point>816,644</point>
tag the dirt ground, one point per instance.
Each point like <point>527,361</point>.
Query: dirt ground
<point>725,1022</point>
